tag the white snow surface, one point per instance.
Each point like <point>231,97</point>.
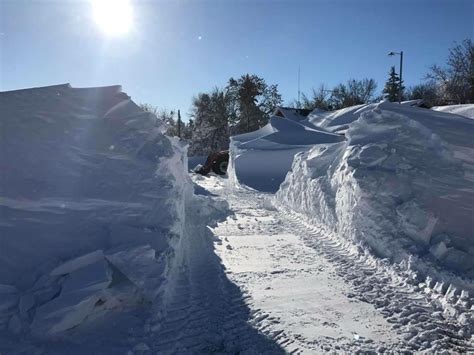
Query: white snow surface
<point>466,110</point>
<point>92,202</point>
<point>261,159</point>
<point>314,292</point>
<point>130,264</point>
<point>401,184</point>
<point>104,247</point>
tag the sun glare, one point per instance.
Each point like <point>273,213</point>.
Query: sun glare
<point>114,17</point>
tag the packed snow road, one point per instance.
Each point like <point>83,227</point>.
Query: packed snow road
<point>309,293</point>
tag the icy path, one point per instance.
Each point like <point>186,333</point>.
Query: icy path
<point>308,293</point>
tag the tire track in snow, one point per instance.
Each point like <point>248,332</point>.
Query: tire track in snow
<point>208,313</point>
<point>412,307</point>
<point>210,316</point>
<point>284,263</point>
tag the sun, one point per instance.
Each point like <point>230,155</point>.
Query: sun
<point>114,17</point>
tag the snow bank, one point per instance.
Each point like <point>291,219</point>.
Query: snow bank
<point>91,206</point>
<point>401,184</point>
<point>261,159</point>
<point>461,110</point>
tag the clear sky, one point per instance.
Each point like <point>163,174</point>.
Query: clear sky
<point>175,49</point>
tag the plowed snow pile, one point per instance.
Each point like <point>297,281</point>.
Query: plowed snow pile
<point>91,207</point>
<point>401,184</point>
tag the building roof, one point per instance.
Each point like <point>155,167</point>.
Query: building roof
<point>294,114</point>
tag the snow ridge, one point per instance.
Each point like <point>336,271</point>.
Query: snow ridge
<point>92,212</point>
<point>399,184</point>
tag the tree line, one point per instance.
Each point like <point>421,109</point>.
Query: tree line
<point>245,104</point>
<point>452,83</point>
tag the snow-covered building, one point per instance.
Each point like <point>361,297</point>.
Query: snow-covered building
<point>290,113</point>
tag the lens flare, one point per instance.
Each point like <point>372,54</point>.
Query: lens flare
<point>114,17</point>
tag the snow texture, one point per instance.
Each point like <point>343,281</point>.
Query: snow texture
<point>401,184</point>
<point>466,110</point>
<point>141,267</point>
<point>261,159</point>
<point>91,207</point>
<point>105,248</point>
<point>315,292</point>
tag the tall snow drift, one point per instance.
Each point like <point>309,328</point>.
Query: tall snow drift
<point>91,198</point>
<point>402,184</point>
<point>261,159</point>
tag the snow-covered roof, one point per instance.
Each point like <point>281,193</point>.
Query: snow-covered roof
<point>290,113</point>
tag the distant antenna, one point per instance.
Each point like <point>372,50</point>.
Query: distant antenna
<point>299,92</point>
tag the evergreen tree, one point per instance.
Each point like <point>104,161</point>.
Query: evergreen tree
<point>244,105</point>
<point>392,86</point>
<point>210,127</point>
<point>270,100</point>
<point>252,102</point>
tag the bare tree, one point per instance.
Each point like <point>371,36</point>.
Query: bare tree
<point>319,99</point>
<point>356,92</point>
<point>428,92</point>
<point>456,80</point>
<point>167,117</point>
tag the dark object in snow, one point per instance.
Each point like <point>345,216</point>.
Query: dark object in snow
<point>217,162</point>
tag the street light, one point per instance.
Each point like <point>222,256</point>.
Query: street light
<point>401,67</point>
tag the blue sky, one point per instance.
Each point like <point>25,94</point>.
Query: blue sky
<point>176,49</point>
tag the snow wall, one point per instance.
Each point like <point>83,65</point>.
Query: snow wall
<point>401,184</point>
<point>92,200</point>
<point>261,159</point>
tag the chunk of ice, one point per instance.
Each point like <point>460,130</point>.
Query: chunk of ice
<point>82,289</point>
<point>141,267</point>
<point>77,263</point>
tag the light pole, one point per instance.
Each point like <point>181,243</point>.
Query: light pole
<point>179,124</point>
<point>401,68</point>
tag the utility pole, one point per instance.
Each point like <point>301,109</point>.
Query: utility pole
<point>179,124</point>
<point>401,80</point>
